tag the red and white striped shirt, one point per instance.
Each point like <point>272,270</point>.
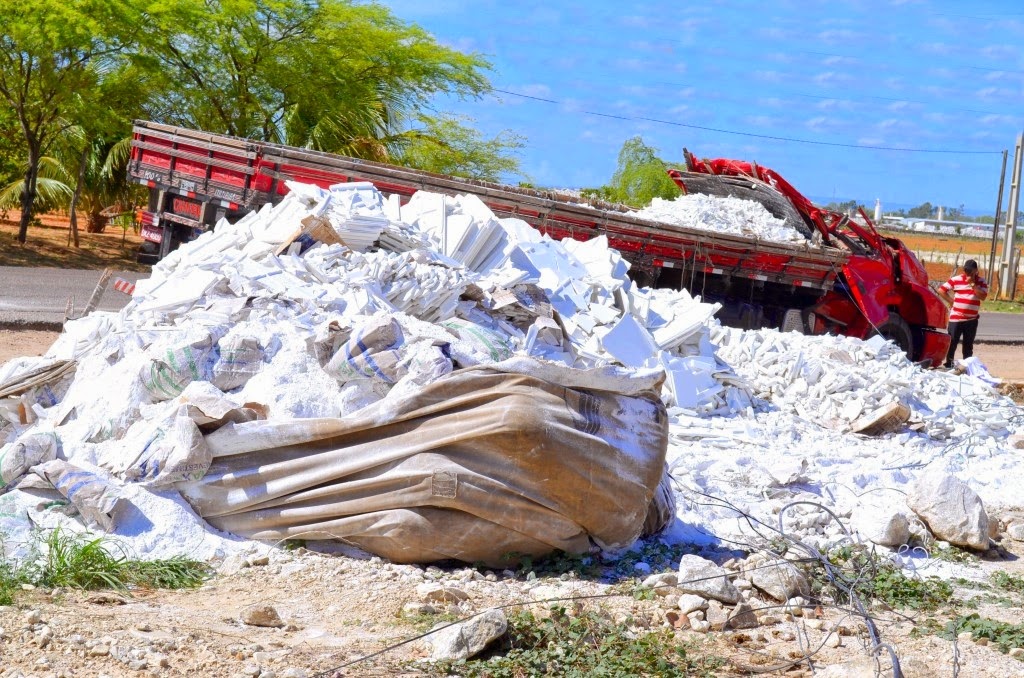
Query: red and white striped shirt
<point>965,298</point>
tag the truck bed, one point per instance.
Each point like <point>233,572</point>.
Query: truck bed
<point>240,174</point>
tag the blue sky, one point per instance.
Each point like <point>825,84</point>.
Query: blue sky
<point>908,74</point>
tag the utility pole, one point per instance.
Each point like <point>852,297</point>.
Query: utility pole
<point>995,225</point>
<point>1010,234</point>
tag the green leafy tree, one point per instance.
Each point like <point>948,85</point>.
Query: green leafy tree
<point>845,207</point>
<point>448,145</point>
<point>53,54</point>
<point>332,75</point>
<point>639,177</point>
<point>922,211</point>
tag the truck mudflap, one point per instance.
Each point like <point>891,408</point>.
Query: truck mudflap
<point>934,345</point>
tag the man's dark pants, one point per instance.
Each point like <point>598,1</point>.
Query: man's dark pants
<point>966,330</point>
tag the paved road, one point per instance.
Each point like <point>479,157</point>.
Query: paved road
<point>37,297</point>
<point>1001,327</point>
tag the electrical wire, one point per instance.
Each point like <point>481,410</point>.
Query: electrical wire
<point>719,130</point>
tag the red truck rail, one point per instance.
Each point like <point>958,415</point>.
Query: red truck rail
<point>237,175</point>
<point>854,282</point>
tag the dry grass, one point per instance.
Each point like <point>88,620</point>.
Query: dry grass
<point>47,246</point>
<point>928,242</point>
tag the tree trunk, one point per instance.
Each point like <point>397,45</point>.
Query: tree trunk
<point>82,163</point>
<point>97,223</point>
<point>28,196</point>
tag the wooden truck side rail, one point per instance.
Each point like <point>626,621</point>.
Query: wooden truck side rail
<point>239,174</point>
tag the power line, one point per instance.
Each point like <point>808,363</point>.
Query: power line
<point>754,135</point>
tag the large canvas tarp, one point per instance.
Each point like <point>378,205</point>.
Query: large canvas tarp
<point>483,465</point>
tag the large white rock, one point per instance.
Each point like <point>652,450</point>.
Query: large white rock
<point>780,580</point>
<point>952,511</point>
<point>465,640</point>
<point>881,522</point>
<point>703,577</point>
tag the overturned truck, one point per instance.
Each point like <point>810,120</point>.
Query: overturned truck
<point>845,278</point>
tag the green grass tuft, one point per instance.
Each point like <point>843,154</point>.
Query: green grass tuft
<point>583,646</point>
<point>69,560</point>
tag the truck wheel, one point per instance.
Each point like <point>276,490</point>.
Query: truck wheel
<point>896,330</point>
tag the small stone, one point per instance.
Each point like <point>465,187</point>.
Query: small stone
<point>1016,652</point>
<point>159,659</point>
<point>465,640</point>
<point>700,626</point>
<point>98,650</point>
<point>33,617</point>
<point>144,627</point>
<point>642,567</point>
<point>258,561</point>
<point>815,624</point>
<point>833,640</point>
<point>795,606</point>
<point>432,592</point>
<point>415,609</point>
<point>981,641</point>
<point>780,580</point>
<point>660,580</point>
<point>964,637</point>
<point>742,617</point>
<point>716,615</point>
<point>786,635</point>
<point>672,601</point>
<point>138,664</point>
<point>769,620</point>
<point>251,670</point>
<point>704,578</point>
<point>689,602</point>
<point>44,636</point>
<point>261,615</point>
<point>293,672</point>
<point>1016,531</point>
<point>950,509</point>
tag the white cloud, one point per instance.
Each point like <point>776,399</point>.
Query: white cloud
<point>761,120</point>
<point>840,36</point>
<point>636,21</point>
<point>835,105</point>
<point>818,124</point>
<point>940,48</point>
<point>997,119</point>
<point>768,76</point>
<point>831,78</point>
<point>633,64</point>
<point>1001,52</point>
<point>532,90</point>
<point>840,61</point>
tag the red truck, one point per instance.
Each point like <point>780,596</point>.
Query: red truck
<point>846,279</point>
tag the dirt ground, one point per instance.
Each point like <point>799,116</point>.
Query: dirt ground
<point>336,609</point>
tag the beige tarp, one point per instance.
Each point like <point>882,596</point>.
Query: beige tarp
<point>482,465</point>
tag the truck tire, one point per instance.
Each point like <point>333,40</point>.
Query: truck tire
<point>896,330</point>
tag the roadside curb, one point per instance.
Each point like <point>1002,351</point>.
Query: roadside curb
<point>999,341</point>
<point>42,325</point>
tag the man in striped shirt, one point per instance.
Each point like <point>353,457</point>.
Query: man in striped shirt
<point>964,292</point>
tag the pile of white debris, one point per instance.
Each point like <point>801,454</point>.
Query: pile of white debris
<point>240,320</point>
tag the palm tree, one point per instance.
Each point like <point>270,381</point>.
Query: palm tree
<point>85,175</point>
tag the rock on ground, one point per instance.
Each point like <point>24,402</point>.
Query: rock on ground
<point>952,510</point>
<point>780,580</point>
<point>465,640</point>
<point>702,577</point>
